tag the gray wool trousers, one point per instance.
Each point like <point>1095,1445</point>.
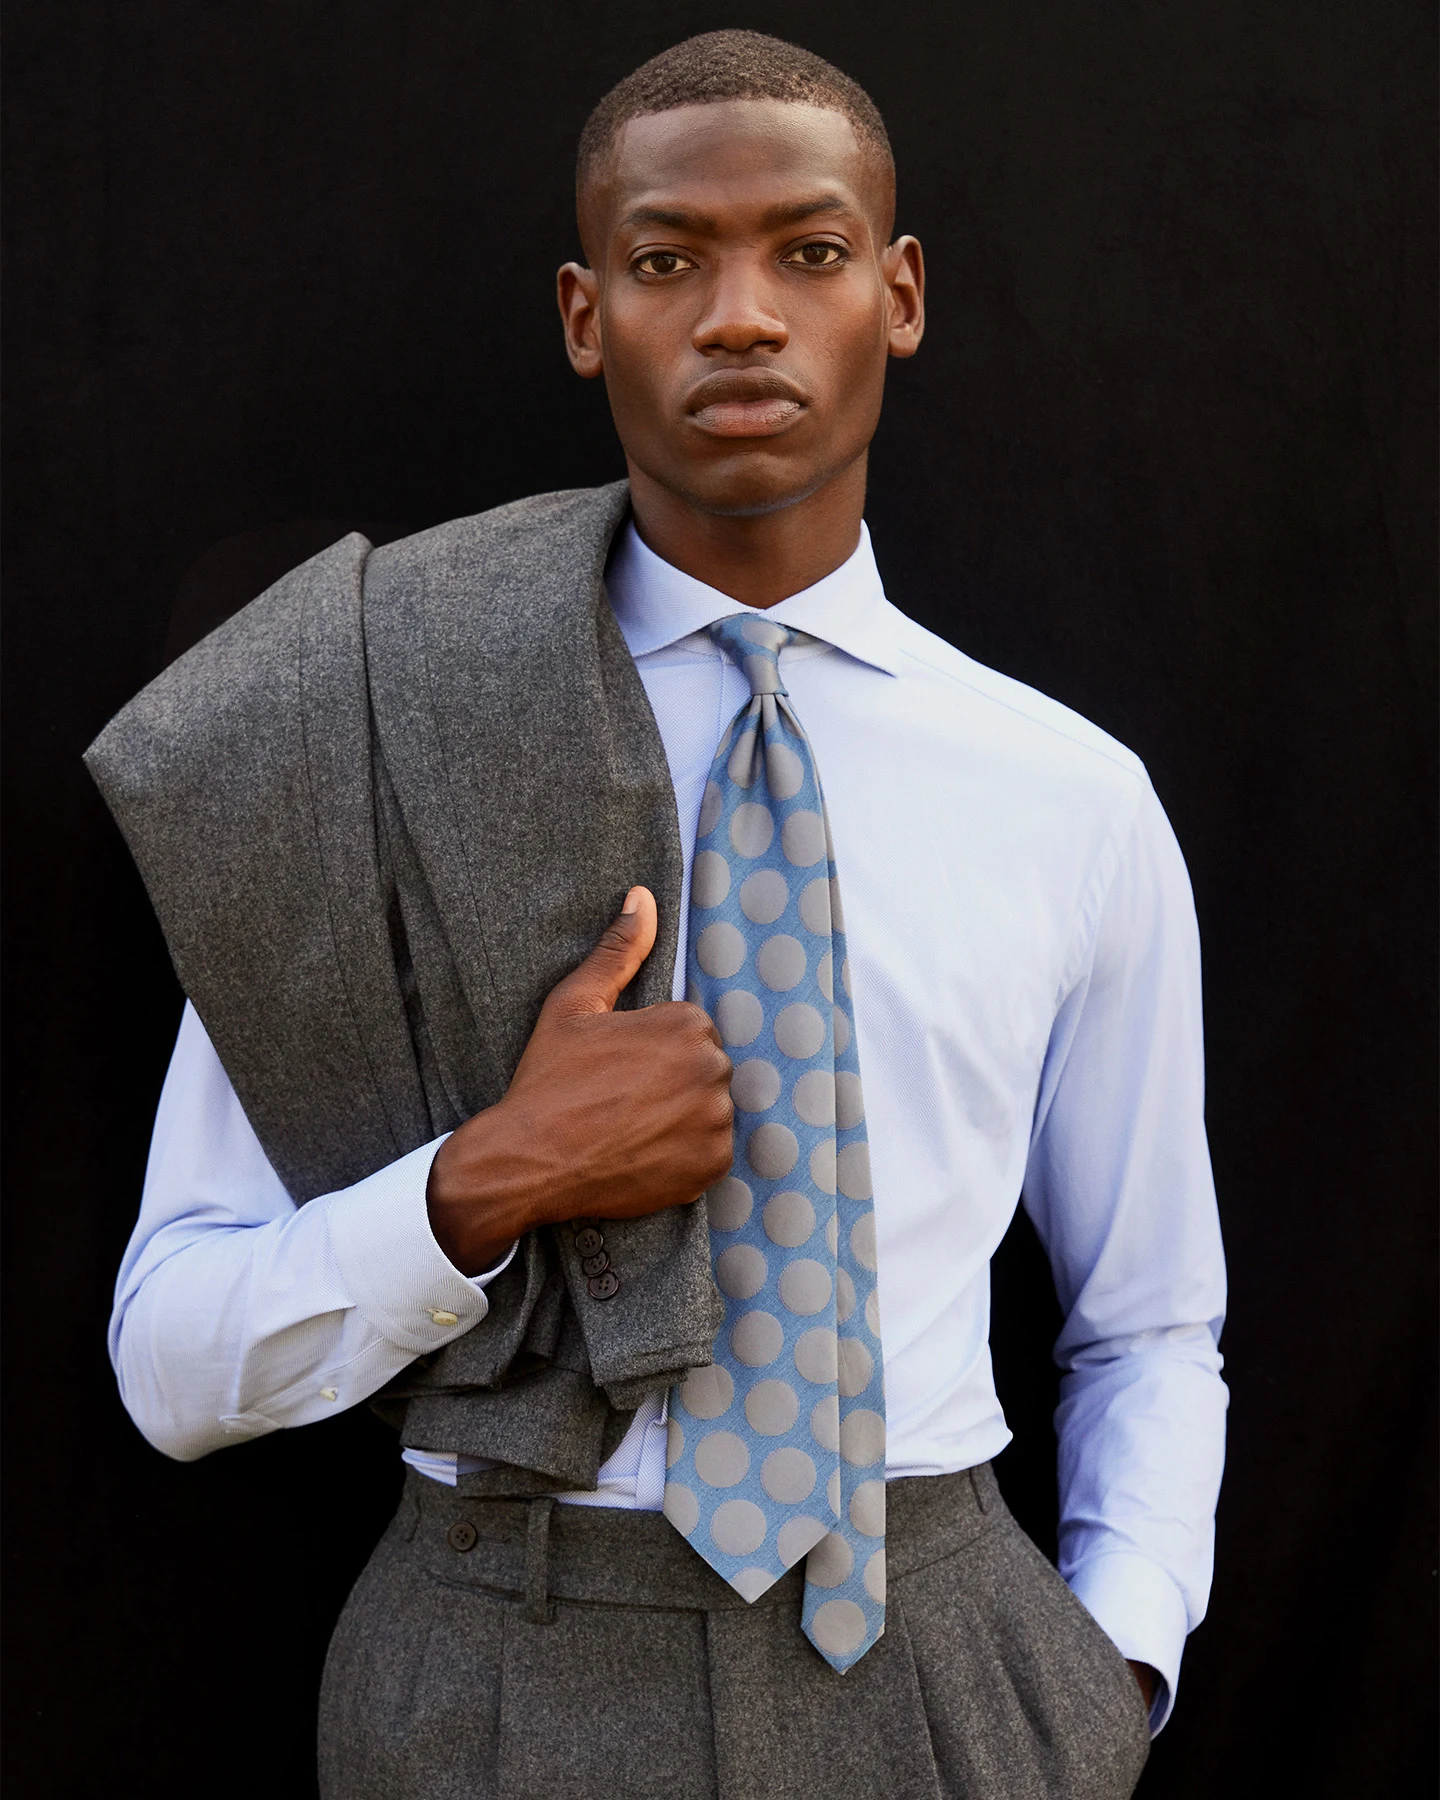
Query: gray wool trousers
<point>521,1650</point>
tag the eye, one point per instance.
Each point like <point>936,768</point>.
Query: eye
<point>661,262</point>
<point>817,256</point>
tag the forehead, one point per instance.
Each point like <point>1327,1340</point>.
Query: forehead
<point>730,161</point>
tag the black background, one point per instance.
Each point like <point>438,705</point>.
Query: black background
<point>1166,454</point>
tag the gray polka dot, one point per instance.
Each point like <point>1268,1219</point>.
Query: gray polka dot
<point>825,1422</point>
<point>764,896</point>
<point>797,1537</point>
<point>853,1172</point>
<point>784,771</point>
<point>862,1437</point>
<point>832,1492</point>
<point>862,1240</point>
<point>765,633</point>
<point>709,879</point>
<point>707,1392</point>
<point>737,1527</point>
<point>856,1367</point>
<point>832,1235</point>
<point>772,1151</point>
<point>837,911</point>
<point>720,949</point>
<point>874,1577</point>
<point>674,1442</point>
<point>815,1355</point>
<point>762,674</point>
<point>750,1584</point>
<point>757,1338</point>
<point>780,962</point>
<point>872,1311</point>
<point>755,1085</point>
<point>845,978</point>
<point>814,904</point>
<point>682,1509</point>
<point>751,828</point>
<point>772,1407</point>
<point>867,1508</point>
<point>805,1286</point>
<point>740,1271</point>
<point>838,1627</point>
<point>727,1204</point>
<point>842,1031</point>
<point>740,1016</point>
<point>822,1166</point>
<point>844,1295</point>
<point>721,1459</point>
<point>744,765</point>
<point>824,974</point>
<point>789,1219</point>
<point>849,1099</point>
<point>830,1562</point>
<point>788,1476</point>
<point>711,807</point>
<point>800,1031</point>
<point>813,1097</point>
<point>802,838</point>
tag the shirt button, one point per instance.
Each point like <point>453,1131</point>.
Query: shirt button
<point>589,1241</point>
<point>328,1394</point>
<point>441,1317</point>
<point>461,1536</point>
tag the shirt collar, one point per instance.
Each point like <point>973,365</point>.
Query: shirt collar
<point>657,604</point>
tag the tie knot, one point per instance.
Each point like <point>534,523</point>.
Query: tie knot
<point>755,644</point>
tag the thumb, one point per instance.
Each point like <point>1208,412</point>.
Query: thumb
<point>614,962</point>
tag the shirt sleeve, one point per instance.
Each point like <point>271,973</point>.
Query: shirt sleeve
<point>1120,1189</point>
<point>237,1312</point>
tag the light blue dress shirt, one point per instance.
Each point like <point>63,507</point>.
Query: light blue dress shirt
<point>1026,988</point>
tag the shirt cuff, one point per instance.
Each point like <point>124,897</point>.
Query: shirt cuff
<point>397,1275</point>
<point>1139,1607</point>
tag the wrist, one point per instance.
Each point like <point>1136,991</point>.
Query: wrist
<point>486,1189</point>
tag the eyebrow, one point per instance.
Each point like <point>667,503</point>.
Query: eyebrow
<point>791,214</point>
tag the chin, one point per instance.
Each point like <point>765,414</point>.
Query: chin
<point>749,488</point>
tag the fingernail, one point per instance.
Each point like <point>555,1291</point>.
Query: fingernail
<point>632,901</point>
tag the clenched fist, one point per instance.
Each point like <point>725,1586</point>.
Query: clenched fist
<point>609,1115</point>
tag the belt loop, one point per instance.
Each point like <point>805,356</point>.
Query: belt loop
<point>981,1486</point>
<point>537,1561</point>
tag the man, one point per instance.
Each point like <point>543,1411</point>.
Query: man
<point>684,1327</point>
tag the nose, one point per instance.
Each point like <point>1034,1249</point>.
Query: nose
<point>741,314</point>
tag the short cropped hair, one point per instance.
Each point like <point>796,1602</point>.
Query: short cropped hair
<point>729,65</point>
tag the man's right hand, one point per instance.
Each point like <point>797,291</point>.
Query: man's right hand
<point>609,1114</point>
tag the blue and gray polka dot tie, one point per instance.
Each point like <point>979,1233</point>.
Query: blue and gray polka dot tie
<point>777,1451</point>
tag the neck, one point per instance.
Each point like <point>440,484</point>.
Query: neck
<point>758,559</point>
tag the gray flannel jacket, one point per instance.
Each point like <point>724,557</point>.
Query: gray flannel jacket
<point>380,813</point>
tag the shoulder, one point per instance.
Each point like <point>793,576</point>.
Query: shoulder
<point>1008,715</point>
<point>570,528</point>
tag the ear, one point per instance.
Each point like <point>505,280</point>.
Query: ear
<point>578,291</point>
<point>903,268</point>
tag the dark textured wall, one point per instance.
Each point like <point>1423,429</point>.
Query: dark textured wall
<point>1166,454</point>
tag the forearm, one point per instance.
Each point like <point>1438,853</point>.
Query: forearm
<point>1141,1428</point>
<point>224,1330</point>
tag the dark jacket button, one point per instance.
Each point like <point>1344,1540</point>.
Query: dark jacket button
<point>596,1265</point>
<point>461,1535</point>
<point>604,1287</point>
<point>589,1241</point>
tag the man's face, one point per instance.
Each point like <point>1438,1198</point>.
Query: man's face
<point>742,299</point>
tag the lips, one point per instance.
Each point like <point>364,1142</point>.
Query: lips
<point>744,403</point>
